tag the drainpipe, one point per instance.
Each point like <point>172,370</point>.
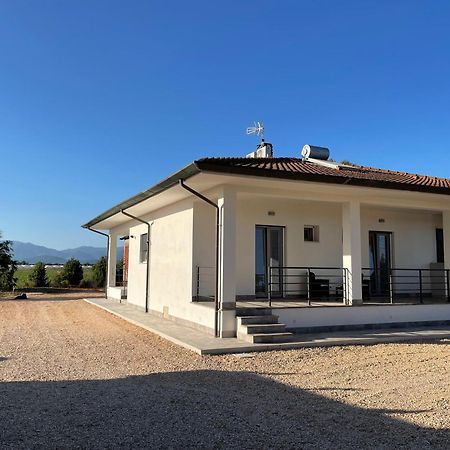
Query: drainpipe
<point>107,257</point>
<point>148,254</point>
<point>216,299</point>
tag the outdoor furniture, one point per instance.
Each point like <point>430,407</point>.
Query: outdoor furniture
<point>365,284</point>
<point>318,287</point>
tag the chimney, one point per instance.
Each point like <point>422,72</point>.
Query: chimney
<point>263,150</point>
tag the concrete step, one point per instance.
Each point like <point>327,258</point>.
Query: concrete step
<point>264,328</point>
<point>266,337</point>
<point>247,320</point>
<point>253,312</point>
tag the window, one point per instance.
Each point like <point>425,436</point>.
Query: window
<point>439,245</point>
<point>143,248</point>
<point>311,233</point>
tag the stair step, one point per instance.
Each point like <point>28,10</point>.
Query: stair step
<point>266,338</point>
<point>246,320</point>
<point>264,328</point>
<point>253,312</point>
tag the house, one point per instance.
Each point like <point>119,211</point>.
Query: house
<point>234,245</point>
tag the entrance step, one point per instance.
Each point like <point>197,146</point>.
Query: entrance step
<point>265,328</point>
<point>253,312</point>
<point>267,338</point>
<point>259,325</point>
<point>247,320</point>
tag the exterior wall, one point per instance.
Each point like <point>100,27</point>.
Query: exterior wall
<point>293,215</point>
<point>171,257</point>
<point>114,292</point>
<point>413,245</point>
<point>413,235</point>
<point>204,245</point>
<point>183,238</point>
<point>362,315</point>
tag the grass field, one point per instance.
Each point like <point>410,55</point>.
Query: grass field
<point>22,274</point>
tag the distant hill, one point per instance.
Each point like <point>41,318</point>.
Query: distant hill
<point>31,253</point>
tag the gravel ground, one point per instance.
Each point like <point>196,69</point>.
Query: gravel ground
<point>74,376</point>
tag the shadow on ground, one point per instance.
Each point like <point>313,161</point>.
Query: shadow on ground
<point>198,409</point>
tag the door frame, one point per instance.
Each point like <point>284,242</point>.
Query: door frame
<point>377,290</point>
<point>282,228</point>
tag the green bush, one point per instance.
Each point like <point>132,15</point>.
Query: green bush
<point>72,272</point>
<point>8,266</point>
<point>38,276</point>
<point>59,281</point>
<point>99,272</point>
<point>87,283</point>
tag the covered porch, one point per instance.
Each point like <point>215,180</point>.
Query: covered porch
<point>322,248</point>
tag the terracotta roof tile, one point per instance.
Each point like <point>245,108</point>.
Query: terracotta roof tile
<point>299,169</point>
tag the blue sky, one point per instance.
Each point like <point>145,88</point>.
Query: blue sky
<point>101,99</point>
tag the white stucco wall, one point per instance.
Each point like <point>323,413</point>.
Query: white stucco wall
<point>204,244</point>
<point>361,315</point>
<point>293,215</point>
<point>183,237</point>
<point>171,263</point>
<point>413,235</point>
<point>413,242</point>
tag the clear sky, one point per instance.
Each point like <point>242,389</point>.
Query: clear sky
<point>101,99</point>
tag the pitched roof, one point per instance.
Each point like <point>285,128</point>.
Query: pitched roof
<point>291,169</point>
<point>296,168</point>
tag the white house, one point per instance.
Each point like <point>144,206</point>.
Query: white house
<point>306,241</point>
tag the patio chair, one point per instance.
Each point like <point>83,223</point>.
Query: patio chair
<point>318,287</point>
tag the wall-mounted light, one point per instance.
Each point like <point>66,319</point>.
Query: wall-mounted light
<point>381,221</point>
<point>270,213</point>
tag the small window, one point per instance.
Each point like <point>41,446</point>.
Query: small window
<point>143,248</point>
<point>311,233</point>
<point>439,245</point>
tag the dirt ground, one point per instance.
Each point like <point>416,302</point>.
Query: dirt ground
<point>74,376</point>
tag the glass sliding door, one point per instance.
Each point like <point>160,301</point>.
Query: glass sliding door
<point>268,254</point>
<point>380,262</point>
<point>260,262</point>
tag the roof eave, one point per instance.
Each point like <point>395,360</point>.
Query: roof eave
<point>321,178</point>
<point>183,174</point>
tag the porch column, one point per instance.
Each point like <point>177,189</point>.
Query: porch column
<point>112,260</point>
<point>227,264</point>
<point>446,231</point>
<point>351,250</point>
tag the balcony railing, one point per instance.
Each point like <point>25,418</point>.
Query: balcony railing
<point>205,283</point>
<point>397,285</point>
<point>297,284</point>
<point>323,284</point>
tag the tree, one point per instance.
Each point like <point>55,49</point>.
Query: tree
<point>7,266</point>
<point>38,276</point>
<point>72,272</point>
<point>99,272</point>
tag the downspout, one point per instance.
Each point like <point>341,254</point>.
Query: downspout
<point>107,257</point>
<point>148,254</point>
<point>216,295</point>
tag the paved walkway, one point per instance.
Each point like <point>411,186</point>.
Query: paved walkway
<point>205,344</point>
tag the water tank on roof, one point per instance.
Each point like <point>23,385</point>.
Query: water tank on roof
<point>312,151</point>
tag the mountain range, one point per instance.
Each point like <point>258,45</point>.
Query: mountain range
<point>31,253</point>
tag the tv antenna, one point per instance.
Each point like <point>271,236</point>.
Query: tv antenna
<point>257,129</point>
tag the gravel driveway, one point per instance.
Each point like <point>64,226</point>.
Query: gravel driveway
<point>74,376</point>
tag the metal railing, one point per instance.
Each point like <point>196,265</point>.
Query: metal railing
<point>205,283</point>
<point>308,284</point>
<point>396,285</point>
<point>120,282</point>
